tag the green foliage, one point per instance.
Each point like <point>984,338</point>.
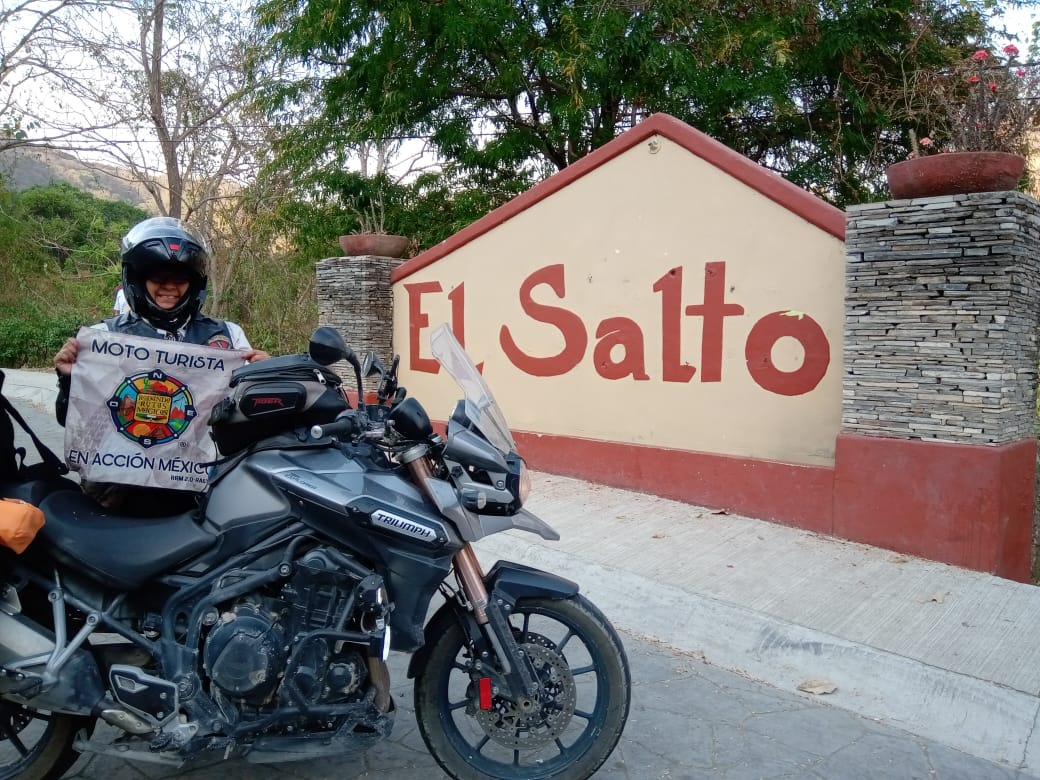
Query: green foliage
<point>70,227</point>
<point>46,295</point>
<point>429,208</point>
<point>505,90</point>
<point>439,204</point>
<point>274,302</point>
<point>59,267</point>
<point>29,336</point>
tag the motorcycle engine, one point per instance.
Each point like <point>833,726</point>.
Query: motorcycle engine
<point>273,648</point>
<point>245,654</point>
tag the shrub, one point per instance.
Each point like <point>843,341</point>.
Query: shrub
<point>29,337</point>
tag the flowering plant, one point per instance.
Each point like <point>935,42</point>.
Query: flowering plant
<point>986,102</point>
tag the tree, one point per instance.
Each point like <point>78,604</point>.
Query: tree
<point>521,88</point>
<point>60,249</point>
<point>157,89</point>
<point>37,39</point>
<point>75,229</point>
<point>154,86</point>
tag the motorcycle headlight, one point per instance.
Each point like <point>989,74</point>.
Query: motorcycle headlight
<point>525,483</point>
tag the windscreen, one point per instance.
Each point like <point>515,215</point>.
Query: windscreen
<point>481,408</point>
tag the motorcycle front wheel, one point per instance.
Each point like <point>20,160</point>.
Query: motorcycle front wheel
<point>37,745</point>
<point>570,731</point>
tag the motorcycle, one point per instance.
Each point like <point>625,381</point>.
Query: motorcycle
<point>258,626</point>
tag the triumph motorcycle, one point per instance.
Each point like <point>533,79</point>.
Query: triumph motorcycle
<point>258,626</point>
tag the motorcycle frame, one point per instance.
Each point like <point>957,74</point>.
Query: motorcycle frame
<point>483,610</point>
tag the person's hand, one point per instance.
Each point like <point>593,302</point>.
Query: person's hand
<point>254,355</point>
<point>66,357</point>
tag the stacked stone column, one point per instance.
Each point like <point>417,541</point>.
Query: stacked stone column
<point>355,297</point>
<point>937,449</point>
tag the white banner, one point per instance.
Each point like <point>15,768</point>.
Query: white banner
<point>139,409</point>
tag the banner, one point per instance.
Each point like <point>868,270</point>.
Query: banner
<point>139,409</point>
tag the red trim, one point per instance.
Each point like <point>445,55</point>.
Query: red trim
<point>966,504</point>
<point>801,202</point>
<point>794,495</point>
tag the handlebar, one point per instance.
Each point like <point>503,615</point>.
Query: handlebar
<point>346,424</point>
<point>368,423</point>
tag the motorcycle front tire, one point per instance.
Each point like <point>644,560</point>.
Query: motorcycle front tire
<point>586,685</point>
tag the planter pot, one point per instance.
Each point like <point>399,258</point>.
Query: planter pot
<point>955,173</point>
<point>378,244</point>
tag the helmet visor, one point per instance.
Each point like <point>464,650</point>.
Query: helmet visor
<point>160,275</point>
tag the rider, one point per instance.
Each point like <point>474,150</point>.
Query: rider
<point>164,278</point>
<point>120,306</point>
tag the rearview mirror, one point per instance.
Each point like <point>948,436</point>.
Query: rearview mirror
<point>372,365</point>
<point>327,347</point>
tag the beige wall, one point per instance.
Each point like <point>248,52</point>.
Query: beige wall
<point>617,231</point>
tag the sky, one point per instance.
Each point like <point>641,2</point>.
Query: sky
<point>1020,21</point>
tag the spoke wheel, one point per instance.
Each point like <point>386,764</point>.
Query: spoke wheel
<point>37,745</point>
<point>568,732</point>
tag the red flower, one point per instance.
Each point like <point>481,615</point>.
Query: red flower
<point>986,101</point>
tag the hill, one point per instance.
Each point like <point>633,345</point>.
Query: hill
<point>22,168</point>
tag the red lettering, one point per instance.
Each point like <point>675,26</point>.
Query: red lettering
<point>262,401</point>
<point>714,309</point>
<point>458,312</point>
<point>567,322</point>
<point>619,351</point>
<point>623,332</point>
<point>758,351</point>
<point>417,321</point>
<point>458,317</point>
<point>670,287</point>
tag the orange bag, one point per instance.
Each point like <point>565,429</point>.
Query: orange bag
<point>19,522</point>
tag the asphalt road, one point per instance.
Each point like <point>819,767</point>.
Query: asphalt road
<point>688,720</point>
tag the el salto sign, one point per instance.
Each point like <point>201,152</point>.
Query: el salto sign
<point>664,292</point>
<point>619,350</point>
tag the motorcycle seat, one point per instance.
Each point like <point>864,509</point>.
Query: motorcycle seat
<point>119,551</point>
<point>35,490</point>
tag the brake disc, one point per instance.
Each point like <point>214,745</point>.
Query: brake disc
<point>531,723</point>
<point>17,715</point>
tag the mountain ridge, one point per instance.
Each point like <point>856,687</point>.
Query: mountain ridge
<point>24,167</point>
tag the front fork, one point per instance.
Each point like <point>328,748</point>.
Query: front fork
<point>491,616</point>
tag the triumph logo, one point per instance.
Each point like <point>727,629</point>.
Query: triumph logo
<point>403,526</point>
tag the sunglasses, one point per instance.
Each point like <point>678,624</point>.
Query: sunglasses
<point>168,277</point>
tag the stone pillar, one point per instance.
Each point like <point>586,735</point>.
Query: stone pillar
<point>355,297</point>
<point>937,452</point>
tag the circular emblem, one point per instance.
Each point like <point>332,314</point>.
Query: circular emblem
<point>219,341</point>
<point>152,408</point>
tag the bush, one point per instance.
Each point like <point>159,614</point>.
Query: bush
<point>29,337</point>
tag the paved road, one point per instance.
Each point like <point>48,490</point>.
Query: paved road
<point>688,720</point>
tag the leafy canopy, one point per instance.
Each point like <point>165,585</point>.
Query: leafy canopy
<point>73,229</point>
<point>512,90</point>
